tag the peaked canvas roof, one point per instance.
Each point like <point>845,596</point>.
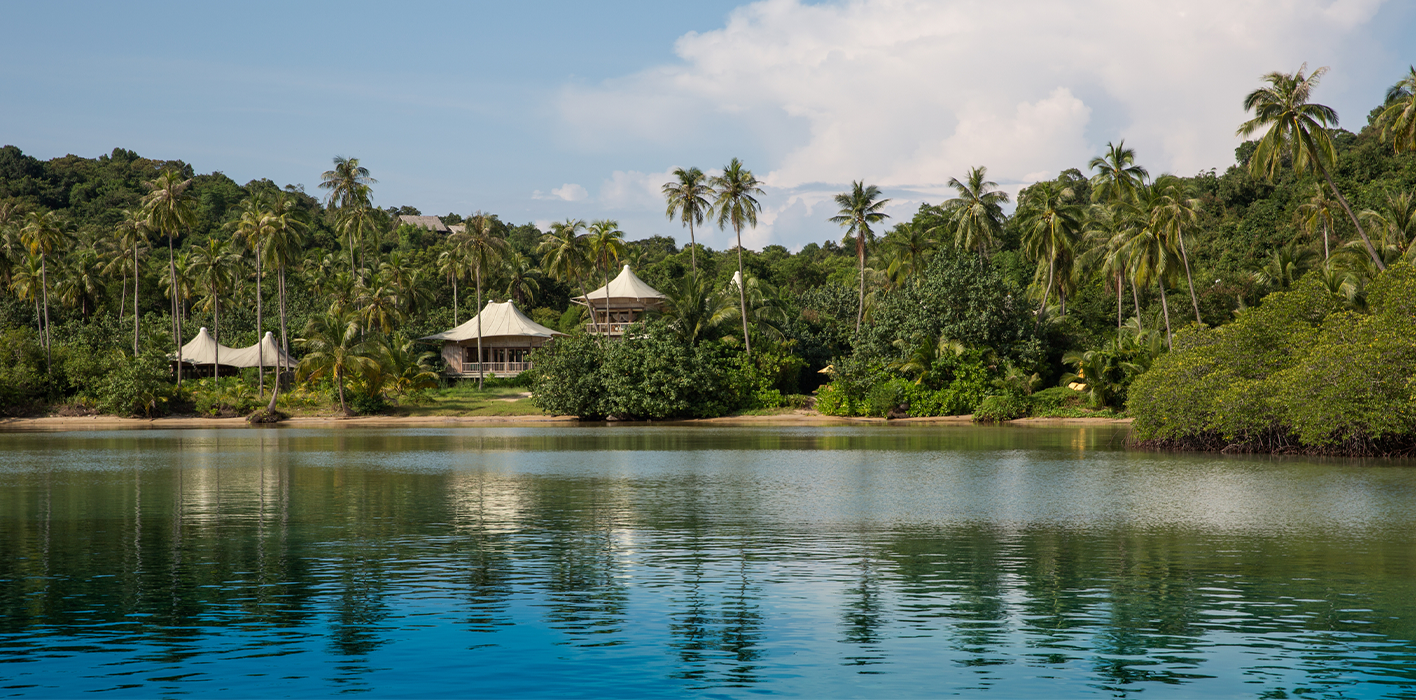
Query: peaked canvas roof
<point>497,320</point>
<point>626,286</point>
<point>203,350</point>
<point>252,356</point>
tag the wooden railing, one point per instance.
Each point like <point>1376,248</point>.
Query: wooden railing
<point>501,369</point>
<point>607,328</point>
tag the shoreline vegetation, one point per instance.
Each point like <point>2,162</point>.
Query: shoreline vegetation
<point>1265,308</point>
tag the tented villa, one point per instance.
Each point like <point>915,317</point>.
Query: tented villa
<point>508,337</point>
<point>203,352</point>
<point>625,300</point>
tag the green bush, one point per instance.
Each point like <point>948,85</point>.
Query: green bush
<point>136,386</point>
<point>1294,374</point>
<point>23,383</point>
<point>1000,407</point>
<point>1056,398</point>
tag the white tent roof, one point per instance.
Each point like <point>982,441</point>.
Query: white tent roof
<point>497,320</point>
<point>203,350</point>
<point>252,356</point>
<point>626,286</point>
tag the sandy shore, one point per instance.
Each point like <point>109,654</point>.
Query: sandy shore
<point>800,418</point>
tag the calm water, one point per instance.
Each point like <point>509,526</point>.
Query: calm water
<point>657,561</point>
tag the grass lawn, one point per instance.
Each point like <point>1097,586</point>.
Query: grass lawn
<point>464,400</point>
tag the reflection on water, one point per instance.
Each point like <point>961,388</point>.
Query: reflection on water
<point>859,560</point>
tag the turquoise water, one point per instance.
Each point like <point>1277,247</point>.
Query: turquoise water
<point>661,561</point>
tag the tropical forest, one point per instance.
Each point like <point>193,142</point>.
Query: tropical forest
<point>1265,305</point>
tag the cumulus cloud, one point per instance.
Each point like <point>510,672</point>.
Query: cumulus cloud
<point>569,192</point>
<point>631,189</point>
<point>908,93</point>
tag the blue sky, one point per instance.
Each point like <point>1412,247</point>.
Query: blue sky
<point>540,111</point>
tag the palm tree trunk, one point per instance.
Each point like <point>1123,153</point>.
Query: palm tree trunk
<point>123,296</point>
<point>860,259</point>
<point>1165,309</point>
<point>1119,284</point>
<point>44,288</point>
<point>1136,298</point>
<point>260,347</point>
<point>1047,292</point>
<point>605,275</point>
<point>479,327</point>
<point>1326,255</point>
<point>176,317</point>
<point>742,294</point>
<point>136,280</point>
<point>1343,201</point>
<point>1194,300</point>
<point>456,314</point>
<point>339,384</point>
<point>216,353</point>
<point>692,246</point>
<point>284,348</point>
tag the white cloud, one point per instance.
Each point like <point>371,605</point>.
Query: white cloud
<point>569,192</point>
<point>634,190</point>
<point>908,93</point>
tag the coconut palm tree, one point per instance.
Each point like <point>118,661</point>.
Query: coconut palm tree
<point>483,248</point>
<point>977,212</point>
<point>1117,176</point>
<point>766,313</point>
<point>1317,214</point>
<point>687,197</point>
<point>908,247</point>
<point>215,268</point>
<point>11,218</point>
<point>1296,131</point>
<point>1052,230</point>
<point>42,234</point>
<point>565,254</point>
<point>283,245</point>
<point>1398,117</point>
<point>735,205</point>
<point>1284,266</point>
<point>171,207</point>
<point>352,223</point>
<point>1175,214</point>
<point>134,232</point>
<point>452,265</point>
<point>334,347</point>
<point>606,243</point>
<point>26,279</point>
<point>348,183</point>
<point>520,277</point>
<point>695,308</point>
<point>80,278</point>
<point>1151,258</point>
<point>255,226</point>
<point>1395,222</point>
<point>860,208</point>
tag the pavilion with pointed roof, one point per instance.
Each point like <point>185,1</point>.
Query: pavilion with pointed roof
<point>622,302</point>
<point>204,351</point>
<point>507,335</point>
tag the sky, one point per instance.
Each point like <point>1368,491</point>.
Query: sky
<point>541,111</point>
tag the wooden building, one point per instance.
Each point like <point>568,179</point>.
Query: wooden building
<point>508,337</point>
<point>625,300</point>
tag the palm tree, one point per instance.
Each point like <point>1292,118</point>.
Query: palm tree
<point>256,226</point>
<point>1316,214</point>
<point>695,308</point>
<point>977,213</point>
<point>687,197</point>
<point>334,347</point>
<point>483,249</point>
<point>1150,255</point>
<point>353,222</point>
<point>1398,117</point>
<point>519,275</point>
<point>908,246</point>
<point>1284,266</point>
<point>26,279</point>
<point>214,267</point>
<point>565,254</point>
<point>42,235</point>
<point>606,243</point>
<point>1051,230</point>
<point>1297,132</point>
<point>1396,220</point>
<point>80,276</point>
<point>133,233</point>
<point>1117,176</point>
<point>286,234</point>
<point>348,183</point>
<point>860,208</point>
<point>735,205</point>
<point>11,218</point>
<point>766,313</point>
<point>1175,214</point>
<point>377,299</point>
<point>170,207</point>
<point>180,291</point>
<point>452,265</point>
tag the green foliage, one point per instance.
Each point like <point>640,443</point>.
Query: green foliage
<point>567,379</point>
<point>136,386</point>
<point>1000,407</point>
<point>23,384</point>
<point>1297,373</point>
